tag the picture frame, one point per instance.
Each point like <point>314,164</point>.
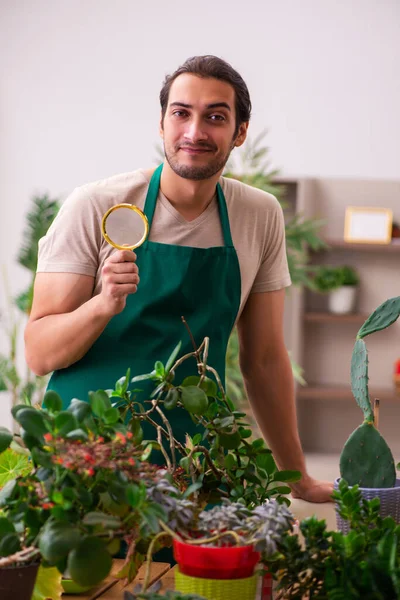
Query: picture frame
<point>368,225</point>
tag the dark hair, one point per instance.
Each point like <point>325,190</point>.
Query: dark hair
<point>209,66</point>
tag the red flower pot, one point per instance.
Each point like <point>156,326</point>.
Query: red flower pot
<point>229,562</point>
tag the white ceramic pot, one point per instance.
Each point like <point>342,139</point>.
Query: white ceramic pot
<point>343,300</point>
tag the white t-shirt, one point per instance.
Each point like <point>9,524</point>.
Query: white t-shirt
<point>74,243</point>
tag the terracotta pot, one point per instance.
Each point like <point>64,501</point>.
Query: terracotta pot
<point>17,582</point>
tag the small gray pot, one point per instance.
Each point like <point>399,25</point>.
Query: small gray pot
<point>390,503</point>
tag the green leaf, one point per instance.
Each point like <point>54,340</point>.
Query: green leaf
<point>172,357</point>
<point>57,539</point>
<point>159,369</point>
<point>287,476</point>
<point>100,402</point>
<point>77,434</point>
<point>90,562</point>
<point>32,421</point>
<point>5,439</point>
<point>143,377</point>
<point>6,526</point>
<point>65,422</point>
<point>42,458</point>
<point>111,416</point>
<point>95,519</point>
<point>7,491</point>
<point>81,410</point>
<point>133,495</point>
<point>52,401</point>
<point>9,544</point>
<point>48,584</point>
<point>13,465</point>
<point>194,400</point>
<point>123,383</point>
<point>267,463</point>
<point>146,452</point>
<point>207,385</point>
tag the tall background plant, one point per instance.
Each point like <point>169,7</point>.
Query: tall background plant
<point>253,167</point>
<point>22,383</point>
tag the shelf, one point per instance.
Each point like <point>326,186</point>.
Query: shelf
<point>325,392</point>
<point>342,245</point>
<point>326,317</point>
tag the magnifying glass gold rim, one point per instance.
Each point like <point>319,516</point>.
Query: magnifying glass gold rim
<point>136,210</point>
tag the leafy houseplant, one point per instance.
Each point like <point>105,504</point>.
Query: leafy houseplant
<point>85,492</point>
<point>217,557</point>
<point>363,564</point>
<point>90,485</point>
<point>366,459</point>
<point>217,550</point>
<point>26,385</point>
<point>253,168</point>
<point>220,461</point>
<point>340,283</point>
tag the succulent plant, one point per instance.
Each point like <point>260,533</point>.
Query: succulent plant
<point>366,458</point>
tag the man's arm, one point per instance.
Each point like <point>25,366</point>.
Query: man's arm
<point>66,320</point>
<point>268,377</point>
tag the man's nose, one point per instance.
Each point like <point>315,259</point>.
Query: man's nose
<point>196,131</point>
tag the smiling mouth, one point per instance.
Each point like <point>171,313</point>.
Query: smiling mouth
<point>190,150</point>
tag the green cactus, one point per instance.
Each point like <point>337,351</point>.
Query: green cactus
<point>359,379</point>
<point>366,458</point>
<point>386,314</point>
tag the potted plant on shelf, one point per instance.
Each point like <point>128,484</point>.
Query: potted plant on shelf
<point>340,284</point>
<point>366,459</point>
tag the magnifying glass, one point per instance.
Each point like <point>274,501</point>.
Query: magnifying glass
<point>125,226</point>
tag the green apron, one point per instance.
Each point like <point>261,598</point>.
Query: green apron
<point>201,284</point>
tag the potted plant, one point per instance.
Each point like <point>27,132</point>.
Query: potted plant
<point>218,550</point>
<point>85,493</point>
<point>366,459</point>
<point>221,460</point>
<point>340,283</point>
<point>318,564</point>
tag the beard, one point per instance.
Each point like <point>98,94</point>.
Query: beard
<point>195,172</point>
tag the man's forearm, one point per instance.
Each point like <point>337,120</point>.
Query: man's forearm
<point>270,389</point>
<point>57,341</point>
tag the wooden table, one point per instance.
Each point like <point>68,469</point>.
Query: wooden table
<point>112,589</point>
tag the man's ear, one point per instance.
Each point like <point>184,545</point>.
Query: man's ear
<point>161,126</point>
<point>242,134</point>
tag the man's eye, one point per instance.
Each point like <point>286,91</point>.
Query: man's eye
<point>217,117</point>
<point>179,113</point>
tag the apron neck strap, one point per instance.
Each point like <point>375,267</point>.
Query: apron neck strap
<point>151,201</point>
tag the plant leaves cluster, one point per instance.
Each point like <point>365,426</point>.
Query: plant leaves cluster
<point>328,565</point>
<point>220,460</point>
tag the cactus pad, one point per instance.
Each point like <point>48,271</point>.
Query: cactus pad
<point>386,314</point>
<point>359,379</point>
<point>366,459</point>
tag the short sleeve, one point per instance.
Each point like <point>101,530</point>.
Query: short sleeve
<point>73,240</point>
<point>273,273</point>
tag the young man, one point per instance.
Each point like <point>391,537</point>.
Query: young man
<point>215,255</point>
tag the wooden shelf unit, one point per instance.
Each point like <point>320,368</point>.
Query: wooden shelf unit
<point>326,392</point>
<point>321,342</point>
<point>326,317</point>
<point>338,244</point>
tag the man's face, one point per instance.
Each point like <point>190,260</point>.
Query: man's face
<point>199,126</point>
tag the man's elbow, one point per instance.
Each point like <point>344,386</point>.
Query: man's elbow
<point>36,363</point>
<point>35,359</point>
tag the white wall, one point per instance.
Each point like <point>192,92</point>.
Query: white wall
<point>80,83</point>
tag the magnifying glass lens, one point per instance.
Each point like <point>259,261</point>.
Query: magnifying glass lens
<point>125,227</point>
